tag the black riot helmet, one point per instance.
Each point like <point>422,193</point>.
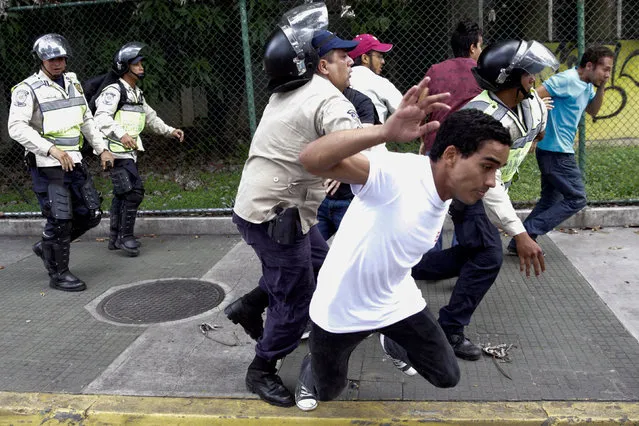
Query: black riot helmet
<point>126,55</point>
<point>501,65</point>
<point>289,57</point>
<point>51,46</point>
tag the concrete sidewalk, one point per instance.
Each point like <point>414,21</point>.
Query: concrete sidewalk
<point>129,349</point>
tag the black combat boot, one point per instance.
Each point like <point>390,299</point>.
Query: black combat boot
<point>464,348</point>
<point>37,249</point>
<point>261,378</point>
<point>114,222</point>
<point>247,312</point>
<point>126,240</point>
<point>56,256</point>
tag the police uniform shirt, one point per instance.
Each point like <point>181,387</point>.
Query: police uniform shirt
<point>106,107</point>
<point>273,176</point>
<point>496,201</point>
<point>25,117</point>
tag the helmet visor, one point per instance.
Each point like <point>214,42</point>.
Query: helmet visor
<point>129,51</point>
<point>300,23</point>
<point>533,57</point>
<point>51,46</point>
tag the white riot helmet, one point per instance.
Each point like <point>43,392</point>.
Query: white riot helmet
<point>51,46</point>
<point>126,55</point>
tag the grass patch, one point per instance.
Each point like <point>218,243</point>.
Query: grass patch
<point>611,174</point>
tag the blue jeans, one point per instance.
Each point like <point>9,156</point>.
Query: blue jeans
<point>562,192</point>
<point>330,214</point>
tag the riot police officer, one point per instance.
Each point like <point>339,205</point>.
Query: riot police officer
<point>121,114</point>
<point>49,116</point>
<point>506,73</point>
<point>277,200</point>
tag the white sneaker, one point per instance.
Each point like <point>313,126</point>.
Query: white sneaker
<point>402,366</point>
<point>307,331</point>
<point>304,399</point>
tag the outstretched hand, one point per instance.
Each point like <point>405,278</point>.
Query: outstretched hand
<point>405,124</point>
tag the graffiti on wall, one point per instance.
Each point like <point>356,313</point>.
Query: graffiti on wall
<point>619,114</point>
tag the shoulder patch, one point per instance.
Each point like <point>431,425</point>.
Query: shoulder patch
<point>108,98</point>
<point>78,87</point>
<point>353,114</point>
<point>21,98</point>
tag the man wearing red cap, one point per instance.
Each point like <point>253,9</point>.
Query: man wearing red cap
<point>368,58</point>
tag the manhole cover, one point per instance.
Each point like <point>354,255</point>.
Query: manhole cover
<point>161,301</point>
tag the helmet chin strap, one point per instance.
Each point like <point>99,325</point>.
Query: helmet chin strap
<point>528,94</point>
<point>140,76</point>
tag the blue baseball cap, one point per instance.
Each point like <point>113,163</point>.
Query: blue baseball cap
<point>325,41</point>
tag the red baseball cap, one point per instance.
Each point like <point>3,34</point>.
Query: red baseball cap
<point>368,42</point>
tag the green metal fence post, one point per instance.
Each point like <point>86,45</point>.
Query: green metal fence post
<point>248,71</point>
<point>581,47</point>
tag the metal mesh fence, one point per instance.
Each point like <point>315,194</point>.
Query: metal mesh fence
<point>204,75</point>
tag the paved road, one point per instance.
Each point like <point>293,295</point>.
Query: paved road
<point>575,329</point>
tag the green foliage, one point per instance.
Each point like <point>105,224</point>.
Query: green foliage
<point>606,180</point>
<point>606,176</point>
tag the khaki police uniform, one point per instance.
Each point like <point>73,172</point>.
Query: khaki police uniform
<point>273,181</point>
<point>44,114</point>
<point>132,117</point>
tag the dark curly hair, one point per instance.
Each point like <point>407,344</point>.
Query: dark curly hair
<point>467,130</point>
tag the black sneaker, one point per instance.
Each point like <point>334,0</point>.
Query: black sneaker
<point>464,348</point>
<point>402,366</point>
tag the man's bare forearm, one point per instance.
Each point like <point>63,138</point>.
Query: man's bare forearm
<point>326,152</point>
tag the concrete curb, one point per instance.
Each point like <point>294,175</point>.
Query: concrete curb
<point>37,408</point>
<point>589,217</point>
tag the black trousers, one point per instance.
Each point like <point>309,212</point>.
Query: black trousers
<point>476,262</point>
<point>288,276</point>
<point>418,336</point>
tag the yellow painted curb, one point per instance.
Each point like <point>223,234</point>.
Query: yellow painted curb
<point>51,409</point>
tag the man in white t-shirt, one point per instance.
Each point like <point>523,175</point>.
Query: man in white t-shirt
<point>400,203</point>
<point>369,60</point>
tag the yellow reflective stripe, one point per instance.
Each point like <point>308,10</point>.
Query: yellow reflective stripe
<point>132,119</point>
<point>116,146</point>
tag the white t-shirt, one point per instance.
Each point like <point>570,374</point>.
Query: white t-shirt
<point>396,217</point>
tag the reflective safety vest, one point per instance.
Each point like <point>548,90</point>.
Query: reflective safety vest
<point>132,118</point>
<point>63,117</point>
<point>523,134</point>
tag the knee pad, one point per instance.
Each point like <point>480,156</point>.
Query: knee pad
<point>81,224</point>
<point>134,197</point>
<point>91,197</point>
<point>94,219</point>
<point>121,181</point>
<point>61,231</point>
<point>59,202</point>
